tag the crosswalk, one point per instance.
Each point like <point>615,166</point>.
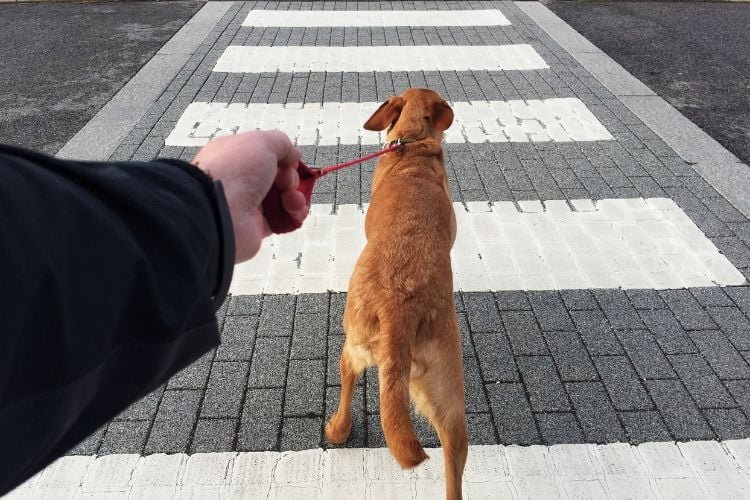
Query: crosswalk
<point>632,245</point>
<point>542,366</point>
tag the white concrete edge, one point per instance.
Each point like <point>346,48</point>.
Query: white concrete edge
<point>99,138</point>
<point>697,469</point>
<point>718,166</point>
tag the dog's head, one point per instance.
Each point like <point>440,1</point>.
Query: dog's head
<point>416,114</point>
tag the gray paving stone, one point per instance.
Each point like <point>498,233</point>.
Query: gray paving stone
<point>622,383</point>
<point>725,360</point>
<point>643,350</point>
<point>481,429</point>
<point>734,324</point>
<point>312,303</point>
<point>512,414</point>
<point>125,437</point>
<point>670,335</point>
<point>458,302</point>
<point>579,299</point>
<point>618,309</point>
<point>276,318</point>
<point>261,420</point>
<point>482,312</point>
<point>559,428</point>
<point>712,296</point>
<point>467,349</point>
<point>214,435</point>
<point>358,436</point>
<point>728,423</point>
<point>550,311</point>
<point>687,310</point>
<point>512,300</point>
<point>336,314</point>
<point>144,408</point>
<point>740,390</point>
<point>301,433</point>
<point>244,305</point>
<point>237,338</point>
<point>701,381</point>
<point>596,333</point>
<point>426,434</point>
<point>678,410</point>
<point>269,365</point>
<point>523,333</point>
<point>372,391</point>
<point>179,405</point>
<point>644,426</point>
<point>570,356</point>
<point>226,389</point>
<point>309,338</point>
<point>741,297</point>
<point>495,358</point>
<point>375,437</point>
<point>542,383</point>
<point>305,388</point>
<point>474,397</point>
<point>194,376</point>
<point>595,412</point>
<point>169,436</point>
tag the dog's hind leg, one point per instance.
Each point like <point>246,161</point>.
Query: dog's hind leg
<point>340,425</point>
<point>451,429</point>
<point>439,396</point>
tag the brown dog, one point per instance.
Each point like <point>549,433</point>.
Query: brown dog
<point>399,312</point>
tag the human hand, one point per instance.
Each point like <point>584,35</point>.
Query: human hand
<point>247,164</point>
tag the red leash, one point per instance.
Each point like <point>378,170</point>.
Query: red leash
<point>278,218</point>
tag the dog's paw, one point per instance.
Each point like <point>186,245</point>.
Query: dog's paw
<point>338,430</point>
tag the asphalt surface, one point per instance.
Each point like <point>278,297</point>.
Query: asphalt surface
<point>62,62</point>
<point>695,55</point>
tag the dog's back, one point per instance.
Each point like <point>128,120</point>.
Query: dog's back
<point>400,313</point>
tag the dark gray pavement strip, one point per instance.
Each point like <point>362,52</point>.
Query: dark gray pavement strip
<point>62,62</point>
<point>674,48</point>
<point>642,387</point>
<point>104,132</point>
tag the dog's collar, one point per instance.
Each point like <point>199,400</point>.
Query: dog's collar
<point>398,142</point>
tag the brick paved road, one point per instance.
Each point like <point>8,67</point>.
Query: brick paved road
<point>542,366</point>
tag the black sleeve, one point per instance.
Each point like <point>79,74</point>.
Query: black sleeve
<point>110,275</point>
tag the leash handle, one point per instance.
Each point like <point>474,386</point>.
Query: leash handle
<point>279,219</point>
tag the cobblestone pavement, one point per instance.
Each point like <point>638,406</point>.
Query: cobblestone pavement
<point>543,365</point>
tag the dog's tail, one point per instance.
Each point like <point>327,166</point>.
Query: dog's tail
<point>394,368</point>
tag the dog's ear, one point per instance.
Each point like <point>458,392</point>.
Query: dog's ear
<point>441,115</point>
<point>385,114</point>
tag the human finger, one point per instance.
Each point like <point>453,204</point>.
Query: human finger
<point>287,178</point>
<point>281,145</point>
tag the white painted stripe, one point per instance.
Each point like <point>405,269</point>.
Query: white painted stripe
<point>241,59</point>
<point>629,243</point>
<point>365,18</point>
<point>698,469</point>
<point>331,123</point>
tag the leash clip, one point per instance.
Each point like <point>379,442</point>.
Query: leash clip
<point>398,142</point>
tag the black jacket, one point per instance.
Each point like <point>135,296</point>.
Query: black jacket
<point>110,275</point>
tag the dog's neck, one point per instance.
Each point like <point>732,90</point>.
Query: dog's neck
<point>428,146</point>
